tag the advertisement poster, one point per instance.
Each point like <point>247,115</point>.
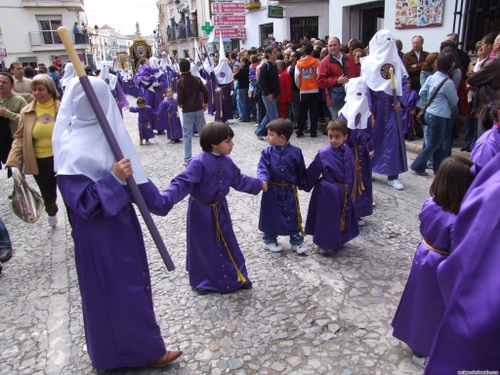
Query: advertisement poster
<point>418,13</point>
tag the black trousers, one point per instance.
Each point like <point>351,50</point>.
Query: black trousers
<point>46,181</point>
<point>308,103</point>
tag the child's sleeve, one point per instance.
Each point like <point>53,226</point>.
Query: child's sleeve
<point>244,183</point>
<point>264,166</point>
<point>183,184</point>
<point>300,168</point>
<point>134,109</point>
<point>312,174</point>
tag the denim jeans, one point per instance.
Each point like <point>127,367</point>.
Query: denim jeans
<point>271,114</point>
<point>188,121</point>
<point>295,239</point>
<point>295,106</point>
<point>434,134</point>
<point>245,104</point>
<point>448,132</point>
<point>334,111</point>
<point>4,235</point>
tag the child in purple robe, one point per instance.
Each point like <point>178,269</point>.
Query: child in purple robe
<point>422,306</point>
<point>170,112</point>
<point>282,168</point>
<point>110,257</point>
<point>214,261</point>
<point>146,120</point>
<point>331,218</point>
<point>488,145</point>
<point>408,113</point>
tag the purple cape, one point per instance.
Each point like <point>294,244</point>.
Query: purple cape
<point>207,179</point>
<point>278,208</point>
<point>387,139</point>
<point>468,337</point>
<point>113,273</point>
<point>330,201</point>
<point>421,307</point>
<point>487,146</point>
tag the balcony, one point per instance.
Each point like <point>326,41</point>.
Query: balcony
<point>76,5</point>
<point>179,34</point>
<point>49,40</point>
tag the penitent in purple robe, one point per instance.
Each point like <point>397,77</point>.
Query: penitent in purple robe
<point>389,144</point>
<point>211,85</point>
<point>361,143</point>
<point>120,98</point>
<point>487,146</point>
<point>278,208</point>
<point>331,207</point>
<point>112,269</point>
<point>223,103</point>
<point>421,307</point>
<point>468,336</point>
<point>169,111</point>
<point>207,179</point>
<point>146,120</point>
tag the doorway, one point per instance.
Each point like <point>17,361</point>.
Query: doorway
<point>303,26</point>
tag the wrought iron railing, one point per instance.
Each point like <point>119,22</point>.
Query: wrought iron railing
<point>48,37</point>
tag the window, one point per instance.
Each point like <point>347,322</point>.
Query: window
<point>48,25</point>
<point>266,32</point>
<point>31,61</point>
<point>304,26</point>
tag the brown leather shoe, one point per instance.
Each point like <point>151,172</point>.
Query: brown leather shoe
<point>168,357</point>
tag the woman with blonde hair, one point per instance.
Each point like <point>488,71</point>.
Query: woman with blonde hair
<point>32,146</point>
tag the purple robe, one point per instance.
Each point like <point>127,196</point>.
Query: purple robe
<point>211,86</point>
<point>112,269</point>
<point>169,112</point>
<point>207,179</point>
<point>406,116</point>
<point>468,337</point>
<point>278,208</point>
<point>146,120</point>
<point>361,143</point>
<point>331,205</point>
<point>388,141</point>
<point>487,146</point>
<point>120,98</point>
<point>223,104</point>
<point>421,307</point>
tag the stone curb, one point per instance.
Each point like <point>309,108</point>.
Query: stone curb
<point>417,148</point>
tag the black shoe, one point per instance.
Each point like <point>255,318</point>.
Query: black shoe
<point>300,135</point>
<point>247,285</point>
<point>5,253</point>
<point>201,291</point>
<point>314,135</point>
<point>325,133</point>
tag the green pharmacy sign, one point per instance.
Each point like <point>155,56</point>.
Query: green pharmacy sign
<point>274,11</point>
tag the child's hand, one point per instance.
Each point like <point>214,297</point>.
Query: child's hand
<point>372,154</point>
<point>122,169</point>
<point>265,186</point>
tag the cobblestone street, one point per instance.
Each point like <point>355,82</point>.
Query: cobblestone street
<point>313,314</point>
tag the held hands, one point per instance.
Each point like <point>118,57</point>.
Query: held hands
<point>265,186</point>
<point>122,169</point>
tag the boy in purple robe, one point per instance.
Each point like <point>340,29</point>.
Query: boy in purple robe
<point>359,121</point>
<point>467,338</point>
<point>421,307</point>
<point>331,218</point>
<point>488,145</point>
<point>281,167</point>
<point>146,120</point>
<point>170,112</point>
<point>110,257</point>
<point>408,113</point>
<point>214,261</point>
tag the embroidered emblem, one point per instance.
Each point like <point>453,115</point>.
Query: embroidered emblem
<point>384,71</point>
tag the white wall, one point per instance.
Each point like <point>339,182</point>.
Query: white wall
<point>433,36</point>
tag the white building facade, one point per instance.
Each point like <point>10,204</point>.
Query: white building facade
<point>29,30</point>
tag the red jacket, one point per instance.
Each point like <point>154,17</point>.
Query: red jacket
<point>286,95</point>
<point>330,70</point>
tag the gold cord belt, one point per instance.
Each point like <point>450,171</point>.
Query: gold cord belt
<point>444,252</point>
<point>297,205</point>
<point>342,218</point>
<point>219,235</point>
<point>358,185</point>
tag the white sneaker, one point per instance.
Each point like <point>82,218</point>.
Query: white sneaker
<point>395,184</point>
<point>273,247</point>
<point>300,249</point>
<point>53,221</point>
<point>420,361</point>
<point>361,223</point>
